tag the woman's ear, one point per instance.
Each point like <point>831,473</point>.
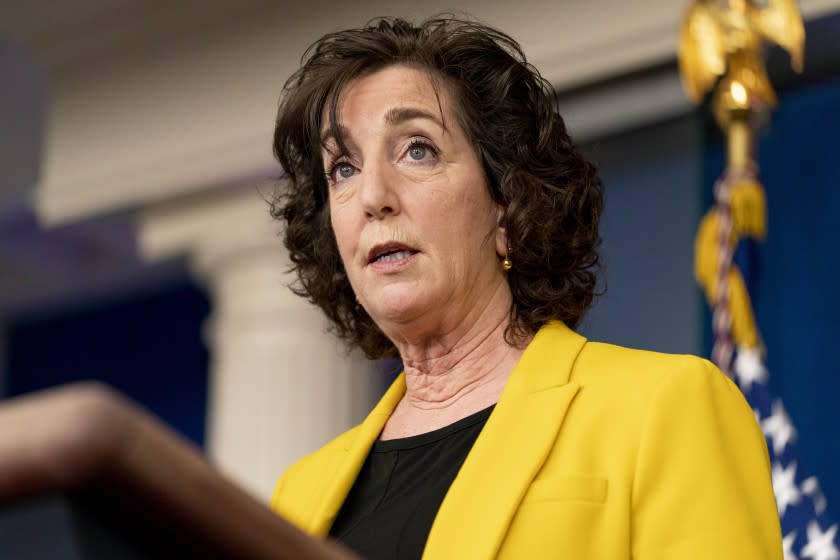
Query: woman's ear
<point>501,234</point>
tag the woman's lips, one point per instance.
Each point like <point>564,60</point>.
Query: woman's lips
<point>384,250</point>
<point>394,257</point>
<point>392,260</point>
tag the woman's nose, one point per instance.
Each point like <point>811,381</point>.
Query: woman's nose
<point>378,191</point>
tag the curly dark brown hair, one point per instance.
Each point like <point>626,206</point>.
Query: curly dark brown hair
<point>551,194</point>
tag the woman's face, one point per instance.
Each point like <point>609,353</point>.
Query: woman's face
<point>414,222</point>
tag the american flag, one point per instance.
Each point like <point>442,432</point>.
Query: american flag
<point>808,530</point>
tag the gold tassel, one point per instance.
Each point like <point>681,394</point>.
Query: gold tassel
<point>749,219</point>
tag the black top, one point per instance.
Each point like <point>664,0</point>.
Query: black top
<point>390,509</point>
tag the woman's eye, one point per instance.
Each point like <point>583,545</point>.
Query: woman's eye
<point>417,152</point>
<point>420,151</point>
<point>345,170</point>
<point>340,171</point>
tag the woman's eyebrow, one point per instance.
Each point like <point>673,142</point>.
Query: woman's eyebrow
<point>328,134</point>
<point>399,115</point>
<point>394,116</point>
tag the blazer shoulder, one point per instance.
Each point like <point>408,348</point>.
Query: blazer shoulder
<point>619,365</point>
<point>643,377</point>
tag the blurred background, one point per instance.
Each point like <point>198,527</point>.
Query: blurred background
<point>136,248</point>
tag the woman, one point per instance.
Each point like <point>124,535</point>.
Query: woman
<point>436,210</point>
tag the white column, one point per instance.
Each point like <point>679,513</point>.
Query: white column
<point>280,387</point>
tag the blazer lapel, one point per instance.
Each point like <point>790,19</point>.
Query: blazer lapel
<point>509,451</point>
<point>347,463</point>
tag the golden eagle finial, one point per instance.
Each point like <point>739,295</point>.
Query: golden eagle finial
<point>726,38</point>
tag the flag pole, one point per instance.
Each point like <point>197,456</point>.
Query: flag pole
<point>721,45</point>
<point>721,48</point>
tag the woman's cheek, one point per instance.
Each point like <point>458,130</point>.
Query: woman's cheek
<point>341,194</point>
<point>345,237</point>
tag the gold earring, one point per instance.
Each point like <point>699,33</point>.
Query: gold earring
<point>507,264</point>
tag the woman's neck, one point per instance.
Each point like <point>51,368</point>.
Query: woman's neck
<point>456,374</point>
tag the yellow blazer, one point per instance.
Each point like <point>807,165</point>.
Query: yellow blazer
<point>593,452</point>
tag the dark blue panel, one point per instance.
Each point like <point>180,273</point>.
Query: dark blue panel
<point>148,346</point>
<point>652,205</point>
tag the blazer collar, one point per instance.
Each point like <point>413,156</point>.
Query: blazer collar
<point>348,461</point>
<point>477,510</point>
<point>506,456</point>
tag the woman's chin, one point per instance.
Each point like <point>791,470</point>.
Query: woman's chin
<point>394,305</point>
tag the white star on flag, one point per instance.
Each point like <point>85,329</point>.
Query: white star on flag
<point>811,488</point>
<point>821,545</point>
<point>778,427</point>
<point>787,544</point>
<point>749,368</point>
<point>784,486</point>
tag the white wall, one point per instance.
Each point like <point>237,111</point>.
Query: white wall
<point>136,123</point>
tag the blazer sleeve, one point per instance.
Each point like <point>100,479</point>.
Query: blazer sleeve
<point>702,486</point>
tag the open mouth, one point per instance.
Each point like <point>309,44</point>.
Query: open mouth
<point>390,252</point>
